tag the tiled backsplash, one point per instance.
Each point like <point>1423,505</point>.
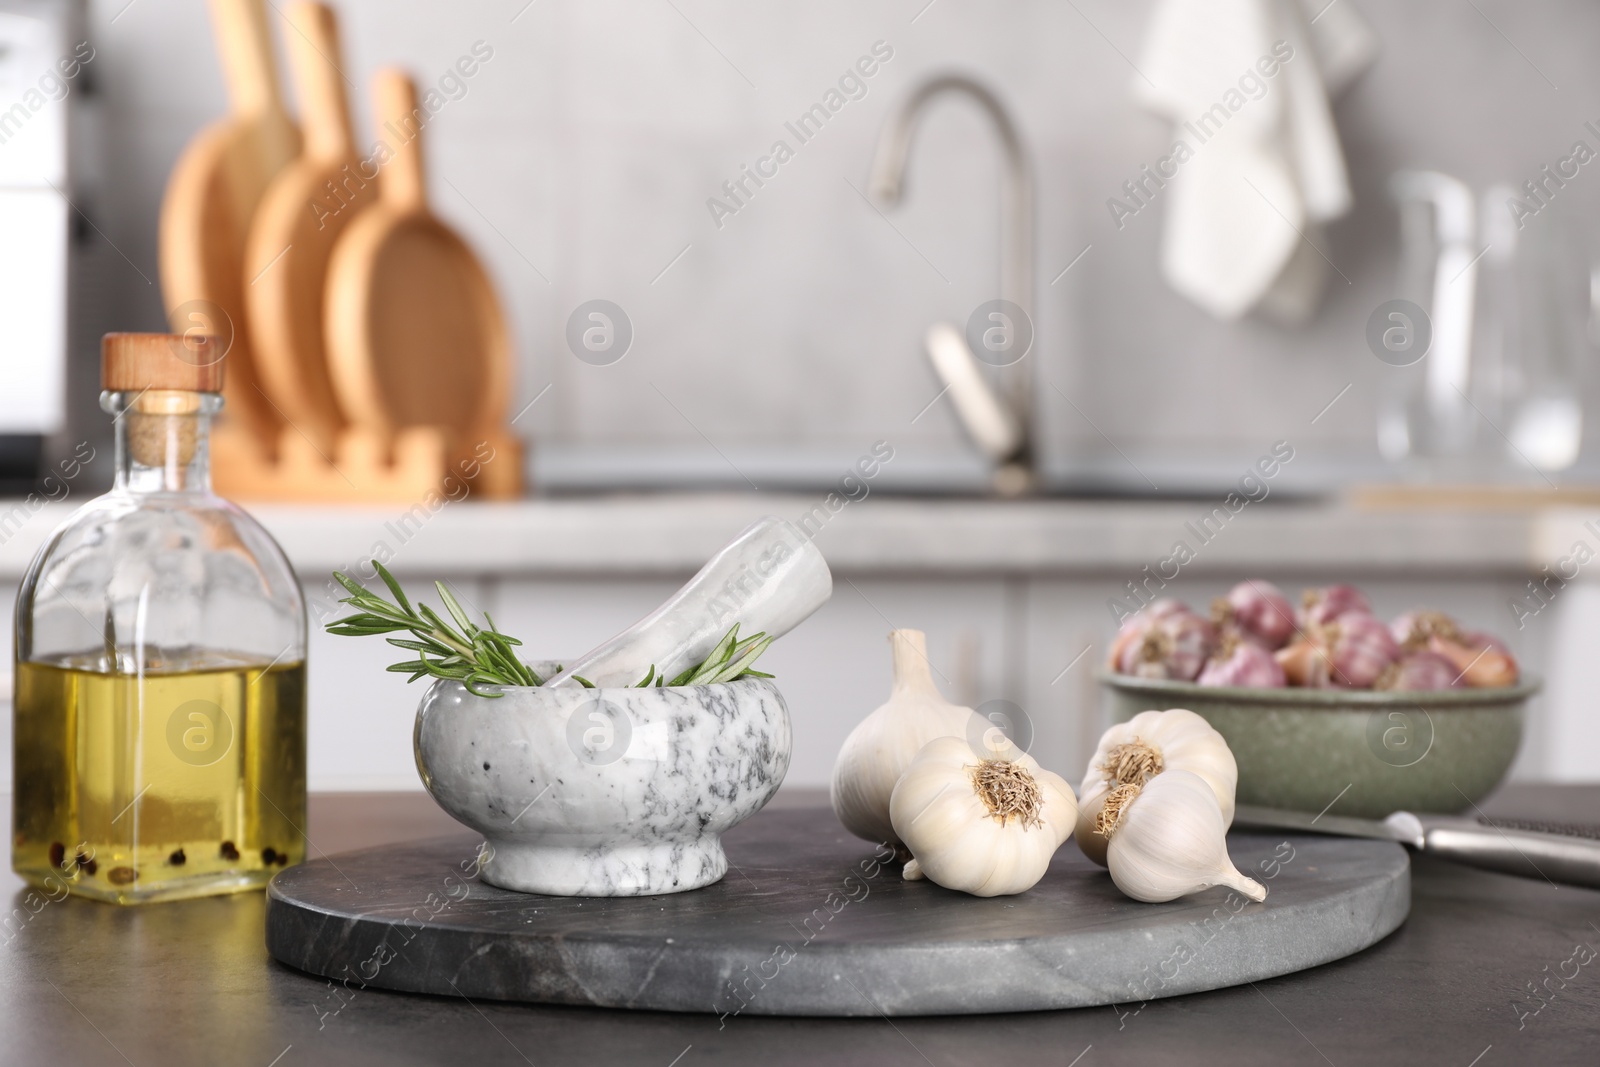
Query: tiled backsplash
<point>580,157</point>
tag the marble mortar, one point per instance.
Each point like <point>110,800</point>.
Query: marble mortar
<point>603,792</point>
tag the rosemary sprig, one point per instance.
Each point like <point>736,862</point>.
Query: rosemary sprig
<point>472,655</point>
<point>478,657</point>
<point>731,659</point>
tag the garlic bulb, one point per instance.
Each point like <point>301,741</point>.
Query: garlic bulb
<point>1135,751</point>
<point>882,745</point>
<point>982,826</point>
<point>1167,838</point>
<point>1257,610</point>
<point>1420,670</point>
<point>1241,662</point>
<point>1351,652</point>
<point>1161,607</point>
<point>1175,645</point>
<point>1414,628</point>
<point>1133,630</point>
<point>1328,603</point>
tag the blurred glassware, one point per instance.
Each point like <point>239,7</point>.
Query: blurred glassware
<point>1537,316</point>
<point>1495,395</point>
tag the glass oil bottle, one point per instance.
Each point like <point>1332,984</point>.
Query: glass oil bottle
<point>159,745</point>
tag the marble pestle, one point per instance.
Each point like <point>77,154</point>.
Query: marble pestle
<point>769,579</point>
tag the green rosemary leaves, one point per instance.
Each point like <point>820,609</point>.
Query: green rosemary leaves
<point>479,657</point>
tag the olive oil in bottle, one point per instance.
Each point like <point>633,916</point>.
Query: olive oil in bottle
<point>178,783</point>
<point>159,741</point>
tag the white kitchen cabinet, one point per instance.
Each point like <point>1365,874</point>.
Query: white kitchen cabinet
<point>1066,627</point>
<point>1009,593</point>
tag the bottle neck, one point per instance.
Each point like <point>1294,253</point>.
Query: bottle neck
<point>163,440</point>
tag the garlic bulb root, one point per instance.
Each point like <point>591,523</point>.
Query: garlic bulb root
<point>1167,839</point>
<point>1144,747</point>
<point>1110,814</point>
<point>1008,791</point>
<point>1133,761</point>
<point>982,826</point>
<point>882,745</point>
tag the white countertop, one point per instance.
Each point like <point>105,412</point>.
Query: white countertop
<point>672,532</point>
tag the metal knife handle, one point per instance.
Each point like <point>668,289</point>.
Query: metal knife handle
<point>1571,860</point>
<point>1543,826</point>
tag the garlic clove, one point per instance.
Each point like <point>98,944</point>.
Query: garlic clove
<point>1169,840</point>
<point>882,745</point>
<point>971,857</point>
<point>1015,867</point>
<point>1009,867</point>
<point>1303,664</point>
<point>943,819</point>
<point>1176,739</point>
<point>981,826</point>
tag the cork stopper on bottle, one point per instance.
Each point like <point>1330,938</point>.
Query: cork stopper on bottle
<point>168,372</point>
<point>133,362</point>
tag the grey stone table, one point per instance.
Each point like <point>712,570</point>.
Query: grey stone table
<point>810,921</point>
<point>191,983</point>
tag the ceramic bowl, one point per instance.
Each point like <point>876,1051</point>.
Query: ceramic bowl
<point>1395,751</point>
<point>604,792</point>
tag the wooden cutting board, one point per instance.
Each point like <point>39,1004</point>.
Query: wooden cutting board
<point>415,334</point>
<point>1446,497</point>
<point>212,196</point>
<point>806,922</point>
<point>308,206</point>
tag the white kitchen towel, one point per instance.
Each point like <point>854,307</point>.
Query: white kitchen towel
<point>1260,171</point>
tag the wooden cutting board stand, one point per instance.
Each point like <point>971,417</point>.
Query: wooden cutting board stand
<point>366,467</point>
<point>283,437</point>
<point>212,195</point>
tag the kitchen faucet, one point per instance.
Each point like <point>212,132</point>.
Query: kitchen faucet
<point>999,423</point>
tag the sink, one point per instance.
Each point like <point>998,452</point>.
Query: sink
<point>937,472</point>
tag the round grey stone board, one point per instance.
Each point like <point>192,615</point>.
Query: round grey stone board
<point>808,922</point>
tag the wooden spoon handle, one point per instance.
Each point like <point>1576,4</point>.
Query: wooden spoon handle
<point>246,51</point>
<point>316,59</point>
<point>400,123</point>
